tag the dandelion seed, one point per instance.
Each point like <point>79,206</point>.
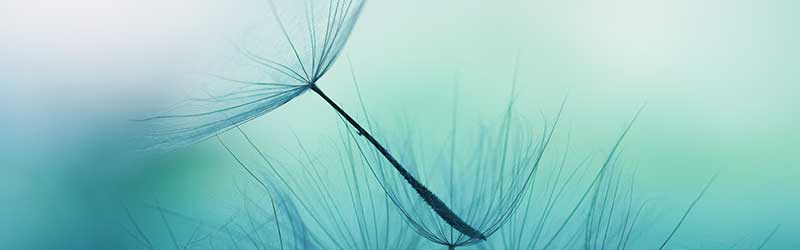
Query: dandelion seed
<point>337,198</point>
<point>484,187</point>
<point>613,215</point>
<point>313,40</point>
<point>613,219</point>
<point>266,219</point>
<point>310,36</point>
<point>540,213</point>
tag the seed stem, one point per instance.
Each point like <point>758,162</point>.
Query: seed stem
<point>429,197</point>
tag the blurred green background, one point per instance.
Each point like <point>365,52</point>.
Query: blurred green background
<point>718,80</point>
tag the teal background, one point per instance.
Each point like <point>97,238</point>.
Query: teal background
<point>718,81</point>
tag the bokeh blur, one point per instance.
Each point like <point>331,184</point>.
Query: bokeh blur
<point>717,78</point>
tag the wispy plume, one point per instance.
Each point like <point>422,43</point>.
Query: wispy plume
<point>314,33</point>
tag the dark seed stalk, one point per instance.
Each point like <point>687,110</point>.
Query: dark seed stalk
<point>429,197</point>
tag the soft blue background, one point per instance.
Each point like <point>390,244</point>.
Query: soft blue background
<point>719,79</point>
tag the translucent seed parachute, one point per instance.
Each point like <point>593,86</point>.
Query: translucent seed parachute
<point>292,50</point>
<point>314,33</point>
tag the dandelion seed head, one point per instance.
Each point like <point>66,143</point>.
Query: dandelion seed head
<point>484,184</point>
<point>294,47</point>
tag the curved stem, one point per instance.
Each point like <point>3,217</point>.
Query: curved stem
<point>429,197</point>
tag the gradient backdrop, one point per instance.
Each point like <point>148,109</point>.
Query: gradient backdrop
<point>719,79</point>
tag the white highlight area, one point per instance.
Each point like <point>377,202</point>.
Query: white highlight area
<point>92,35</point>
<point>634,33</point>
<point>73,71</point>
<point>86,52</point>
